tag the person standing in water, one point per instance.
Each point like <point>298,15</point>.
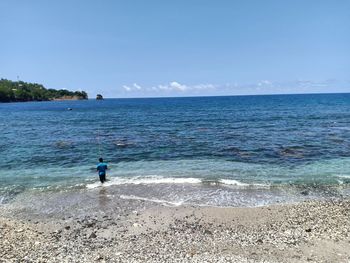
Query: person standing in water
<point>101,168</point>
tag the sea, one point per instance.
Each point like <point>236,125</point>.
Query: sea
<point>204,151</point>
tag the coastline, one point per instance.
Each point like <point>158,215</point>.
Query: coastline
<point>74,98</point>
<point>64,98</point>
<point>141,231</point>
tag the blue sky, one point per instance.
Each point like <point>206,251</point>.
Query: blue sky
<point>178,48</point>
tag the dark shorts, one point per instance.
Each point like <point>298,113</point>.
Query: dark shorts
<point>102,178</point>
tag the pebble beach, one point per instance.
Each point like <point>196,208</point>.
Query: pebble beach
<point>311,231</point>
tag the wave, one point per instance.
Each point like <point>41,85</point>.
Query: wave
<point>237,183</point>
<point>347,176</point>
<point>172,180</point>
<point>343,178</point>
<point>159,201</point>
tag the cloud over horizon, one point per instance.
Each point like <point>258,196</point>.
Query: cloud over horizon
<point>176,88</point>
<point>172,86</point>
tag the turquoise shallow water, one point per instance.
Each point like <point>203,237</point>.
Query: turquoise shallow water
<point>252,142</point>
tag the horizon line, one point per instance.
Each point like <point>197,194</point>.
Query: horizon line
<point>237,95</point>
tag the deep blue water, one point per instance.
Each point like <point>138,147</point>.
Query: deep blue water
<point>248,140</point>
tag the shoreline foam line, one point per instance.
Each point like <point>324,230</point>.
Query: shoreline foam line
<point>158,201</point>
<point>172,180</point>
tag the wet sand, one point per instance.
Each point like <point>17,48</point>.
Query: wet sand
<point>139,231</point>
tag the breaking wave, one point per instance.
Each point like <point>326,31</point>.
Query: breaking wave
<point>174,180</point>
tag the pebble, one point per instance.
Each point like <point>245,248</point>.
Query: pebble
<point>92,235</point>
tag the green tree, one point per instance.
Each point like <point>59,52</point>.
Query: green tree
<point>24,91</point>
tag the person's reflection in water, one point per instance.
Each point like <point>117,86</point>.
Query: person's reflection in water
<point>103,197</point>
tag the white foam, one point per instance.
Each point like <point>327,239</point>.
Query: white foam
<point>146,180</point>
<point>94,185</point>
<point>159,201</point>
<point>170,180</point>
<point>340,182</point>
<point>344,176</point>
<point>240,184</point>
<point>232,182</point>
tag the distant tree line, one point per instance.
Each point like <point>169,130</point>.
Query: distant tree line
<point>12,91</point>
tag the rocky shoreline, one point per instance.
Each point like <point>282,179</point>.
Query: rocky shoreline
<point>313,231</point>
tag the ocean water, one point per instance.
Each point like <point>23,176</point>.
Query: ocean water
<point>231,151</point>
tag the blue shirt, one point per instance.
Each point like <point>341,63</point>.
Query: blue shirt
<point>101,168</point>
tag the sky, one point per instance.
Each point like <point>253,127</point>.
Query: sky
<point>158,48</point>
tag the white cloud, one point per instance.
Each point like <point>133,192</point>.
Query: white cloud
<point>204,87</point>
<point>280,87</point>
<point>161,87</point>
<point>264,83</point>
<point>138,87</point>
<point>134,87</point>
<point>173,86</point>
<point>126,88</point>
<point>177,86</point>
<point>260,87</point>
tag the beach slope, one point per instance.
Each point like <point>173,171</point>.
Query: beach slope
<point>313,231</point>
